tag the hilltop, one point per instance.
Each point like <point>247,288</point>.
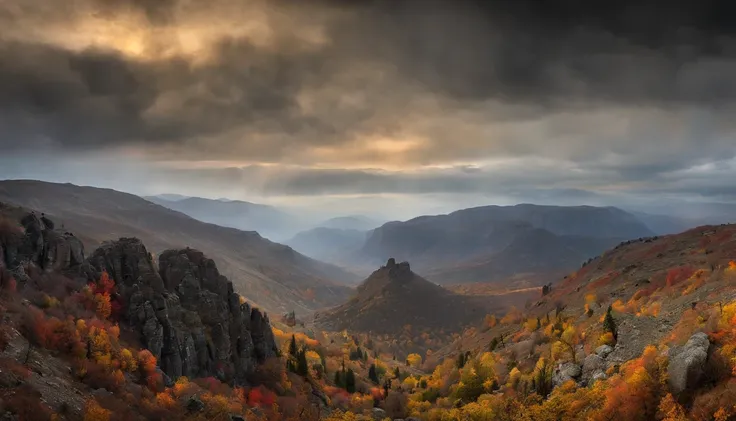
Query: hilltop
<point>394,301</point>
<point>272,275</point>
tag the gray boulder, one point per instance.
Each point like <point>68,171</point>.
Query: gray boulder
<point>566,372</point>
<point>378,414</point>
<point>603,351</point>
<point>687,363</point>
<point>592,365</point>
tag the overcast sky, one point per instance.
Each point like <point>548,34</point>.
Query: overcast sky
<point>352,105</point>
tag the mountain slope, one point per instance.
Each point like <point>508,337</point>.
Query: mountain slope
<point>272,275</point>
<point>532,251</point>
<point>328,244</point>
<point>437,243</point>
<point>267,220</point>
<point>651,283</point>
<point>393,297</point>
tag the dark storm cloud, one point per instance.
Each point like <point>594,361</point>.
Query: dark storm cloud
<point>545,55</point>
<point>618,96</point>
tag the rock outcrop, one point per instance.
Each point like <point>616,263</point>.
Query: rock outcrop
<point>565,372</point>
<point>186,312</point>
<point>38,243</point>
<point>594,368</point>
<point>687,363</point>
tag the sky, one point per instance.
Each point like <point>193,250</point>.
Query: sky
<point>395,107</point>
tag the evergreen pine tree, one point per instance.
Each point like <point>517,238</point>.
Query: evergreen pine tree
<point>292,346</point>
<point>372,374</point>
<point>460,363</point>
<point>609,324</point>
<point>338,379</point>
<point>350,381</point>
<point>302,367</point>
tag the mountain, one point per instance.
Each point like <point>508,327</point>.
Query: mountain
<point>393,297</point>
<point>651,283</point>
<point>355,222</point>
<point>331,245</point>
<point>531,251</point>
<point>171,197</point>
<point>268,221</point>
<point>272,275</point>
<point>471,236</point>
<point>667,224</point>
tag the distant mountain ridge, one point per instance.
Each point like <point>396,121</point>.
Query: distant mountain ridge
<point>267,220</point>
<point>272,275</point>
<point>352,222</point>
<point>328,244</point>
<point>490,241</point>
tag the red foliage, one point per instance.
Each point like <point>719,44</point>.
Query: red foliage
<point>7,282</point>
<point>155,382</point>
<point>679,274</point>
<point>104,285</point>
<point>100,300</point>
<point>655,250</point>
<point>26,402</point>
<point>260,396</point>
<point>605,280</point>
<point>8,365</point>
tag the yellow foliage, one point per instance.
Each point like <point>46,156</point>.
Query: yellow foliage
<point>409,383</point>
<point>128,362</point>
<point>590,298</point>
<point>490,320</point>
<point>313,356</point>
<point>415,360</point>
<point>606,339</point>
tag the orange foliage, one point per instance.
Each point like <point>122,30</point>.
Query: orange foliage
<point>147,361</point>
<point>513,316</point>
<point>94,412</point>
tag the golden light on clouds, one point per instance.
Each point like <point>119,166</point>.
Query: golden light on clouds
<point>193,32</point>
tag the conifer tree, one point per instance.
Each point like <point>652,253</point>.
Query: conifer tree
<point>292,346</point>
<point>372,374</point>
<point>609,324</point>
<point>350,381</point>
<point>302,367</point>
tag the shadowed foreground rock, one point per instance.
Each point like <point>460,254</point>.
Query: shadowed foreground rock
<point>38,243</point>
<point>186,313</point>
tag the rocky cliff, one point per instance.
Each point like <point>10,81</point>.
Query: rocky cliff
<point>185,312</point>
<point>37,242</point>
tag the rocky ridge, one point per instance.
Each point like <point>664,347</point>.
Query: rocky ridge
<point>185,312</point>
